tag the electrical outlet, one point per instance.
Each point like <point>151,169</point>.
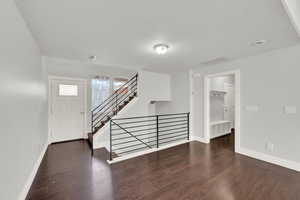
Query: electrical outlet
<point>270,146</point>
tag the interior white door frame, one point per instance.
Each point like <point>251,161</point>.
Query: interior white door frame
<point>192,77</point>
<point>237,114</point>
<point>85,88</point>
<point>191,84</point>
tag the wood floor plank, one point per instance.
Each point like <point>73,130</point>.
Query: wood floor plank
<point>192,171</point>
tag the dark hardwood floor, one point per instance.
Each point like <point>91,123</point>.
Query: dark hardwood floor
<point>192,171</point>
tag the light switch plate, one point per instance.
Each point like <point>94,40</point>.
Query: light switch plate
<point>290,109</point>
<point>252,108</point>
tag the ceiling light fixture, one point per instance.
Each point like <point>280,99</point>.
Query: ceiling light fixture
<point>93,58</point>
<point>259,42</point>
<point>161,49</point>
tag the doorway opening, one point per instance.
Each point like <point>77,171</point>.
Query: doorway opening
<point>222,116</point>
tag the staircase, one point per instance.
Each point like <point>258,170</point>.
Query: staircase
<point>103,113</point>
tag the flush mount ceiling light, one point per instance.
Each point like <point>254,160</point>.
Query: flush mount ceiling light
<point>161,49</point>
<point>259,42</point>
<point>93,58</point>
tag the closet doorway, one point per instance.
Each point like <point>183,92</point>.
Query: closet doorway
<point>222,108</point>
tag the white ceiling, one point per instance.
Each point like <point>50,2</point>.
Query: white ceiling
<point>122,33</point>
<point>293,9</point>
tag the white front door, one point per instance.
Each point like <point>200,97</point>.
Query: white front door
<point>67,109</point>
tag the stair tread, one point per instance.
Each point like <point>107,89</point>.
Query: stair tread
<point>115,111</point>
<point>114,154</point>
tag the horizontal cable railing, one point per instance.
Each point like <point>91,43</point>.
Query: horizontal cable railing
<point>113,104</point>
<point>129,135</point>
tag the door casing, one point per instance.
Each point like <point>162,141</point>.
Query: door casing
<point>237,114</point>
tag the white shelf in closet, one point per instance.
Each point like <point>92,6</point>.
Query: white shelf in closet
<point>219,122</point>
<point>218,91</point>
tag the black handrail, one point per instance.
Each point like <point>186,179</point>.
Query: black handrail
<point>134,77</point>
<point>111,106</point>
<point>110,110</point>
<point>118,98</point>
<point>154,133</point>
<point>161,115</point>
<point>113,101</point>
<point>115,95</point>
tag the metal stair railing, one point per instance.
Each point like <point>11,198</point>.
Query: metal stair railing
<point>129,135</point>
<point>113,104</point>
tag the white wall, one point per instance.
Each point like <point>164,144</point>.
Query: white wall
<point>77,69</point>
<point>180,92</point>
<point>270,81</point>
<point>151,87</point>
<point>23,102</point>
<point>216,108</point>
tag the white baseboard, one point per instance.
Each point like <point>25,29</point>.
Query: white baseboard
<point>200,139</point>
<point>102,145</point>
<point>270,159</point>
<point>31,177</point>
<point>219,135</point>
<point>126,157</point>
